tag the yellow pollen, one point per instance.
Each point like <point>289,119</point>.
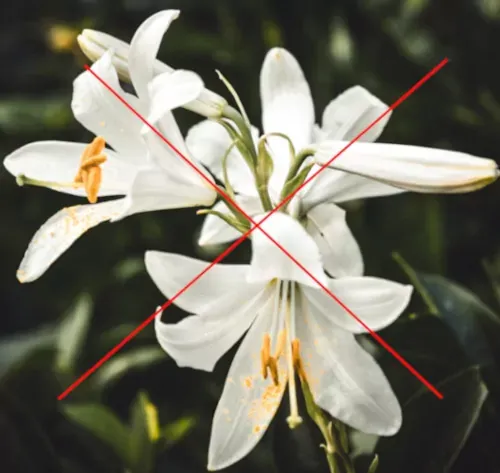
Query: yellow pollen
<point>90,173</point>
<point>297,359</point>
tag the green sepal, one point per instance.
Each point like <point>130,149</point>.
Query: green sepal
<point>230,220</point>
<point>293,184</point>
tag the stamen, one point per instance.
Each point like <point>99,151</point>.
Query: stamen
<point>265,354</point>
<point>294,418</point>
<point>89,173</point>
<point>297,359</point>
<point>280,346</point>
<point>273,368</point>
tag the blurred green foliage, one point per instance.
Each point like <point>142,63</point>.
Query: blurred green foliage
<point>54,329</point>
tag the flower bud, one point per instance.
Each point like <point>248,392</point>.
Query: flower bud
<point>414,168</point>
<point>95,43</point>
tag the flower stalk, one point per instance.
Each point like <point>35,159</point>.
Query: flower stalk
<point>334,432</point>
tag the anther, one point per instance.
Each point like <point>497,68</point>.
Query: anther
<point>265,354</point>
<point>297,359</point>
<point>89,173</point>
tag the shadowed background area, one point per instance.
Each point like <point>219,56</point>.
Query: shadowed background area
<point>55,328</point>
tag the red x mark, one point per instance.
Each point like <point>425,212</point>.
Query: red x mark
<point>377,337</point>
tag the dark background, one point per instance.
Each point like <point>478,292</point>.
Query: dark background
<point>384,45</point>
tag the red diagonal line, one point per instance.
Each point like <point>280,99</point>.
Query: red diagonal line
<point>377,337</point>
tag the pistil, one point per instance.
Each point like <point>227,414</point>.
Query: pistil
<point>294,418</point>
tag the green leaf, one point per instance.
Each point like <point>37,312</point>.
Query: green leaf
<point>144,433</point>
<point>101,422</point>
<point>434,431</point>
<point>73,332</point>
<point>177,430</point>
<point>428,344</point>
<point>15,348</point>
<point>26,446</point>
<point>465,314</point>
<point>123,363</point>
<point>374,465</point>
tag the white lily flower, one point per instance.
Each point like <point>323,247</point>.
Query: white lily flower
<point>287,108</point>
<point>95,43</point>
<point>293,328</point>
<point>140,166</point>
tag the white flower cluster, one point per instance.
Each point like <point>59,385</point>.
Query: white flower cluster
<point>294,328</point>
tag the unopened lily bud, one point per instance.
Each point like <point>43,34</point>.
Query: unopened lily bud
<point>95,43</point>
<point>414,168</point>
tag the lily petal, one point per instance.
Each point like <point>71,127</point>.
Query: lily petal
<point>144,48</point>
<point>59,232</point>
<point>171,273</point>
<point>215,231</point>
<point>168,159</point>
<point>171,90</point>
<point>58,161</point>
<point>98,110</point>
<point>208,141</point>
<point>248,402</point>
<point>339,250</point>
<point>153,190</point>
<point>270,262</point>
<point>287,107</point>
<point>413,168</point>
<point>344,379</point>
<point>199,341</point>
<point>331,185</point>
<point>377,302</point>
<point>346,116</point>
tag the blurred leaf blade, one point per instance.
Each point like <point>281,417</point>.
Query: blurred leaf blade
<point>101,422</point>
<point>434,431</point>
<point>73,332</point>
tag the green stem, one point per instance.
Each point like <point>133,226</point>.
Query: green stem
<point>335,449</point>
<point>239,121</point>
<point>265,198</point>
<point>297,162</point>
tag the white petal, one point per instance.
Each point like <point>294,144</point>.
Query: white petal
<point>215,231</point>
<point>351,112</point>
<point>208,141</point>
<point>59,232</point>
<point>248,402</point>
<point>171,273</point>
<point>58,161</point>
<point>331,185</point>
<point>144,48</point>
<point>176,161</point>
<point>411,167</point>
<point>98,110</point>
<point>199,341</point>
<point>339,250</point>
<point>153,190</point>
<point>287,107</point>
<point>344,379</point>
<point>269,261</point>
<point>169,91</point>
<point>377,302</point>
